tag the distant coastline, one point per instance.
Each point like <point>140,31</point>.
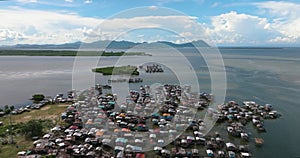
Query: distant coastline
<point>66,53</point>
<point>249,47</point>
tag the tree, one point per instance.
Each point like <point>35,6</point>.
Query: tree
<point>33,128</point>
<point>38,97</point>
<point>5,107</point>
<point>7,110</point>
<point>12,108</point>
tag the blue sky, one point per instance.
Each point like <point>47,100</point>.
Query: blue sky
<point>230,22</point>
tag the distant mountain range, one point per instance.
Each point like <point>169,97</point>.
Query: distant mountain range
<point>108,45</point>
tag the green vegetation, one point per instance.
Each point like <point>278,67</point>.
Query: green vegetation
<point>29,129</point>
<point>26,125</point>
<point>7,109</point>
<point>64,53</point>
<point>122,70</point>
<point>21,136</point>
<point>33,128</point>
<point>38,97</point>
<point>11,150</point>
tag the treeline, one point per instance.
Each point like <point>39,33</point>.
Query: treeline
<point>63,53</point>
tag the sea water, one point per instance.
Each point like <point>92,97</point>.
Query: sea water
<point>269,75</point>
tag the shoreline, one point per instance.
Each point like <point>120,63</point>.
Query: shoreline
<point>48,112</point>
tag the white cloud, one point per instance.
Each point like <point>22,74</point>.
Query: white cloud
<point>41,26</point>
<point>281,8</point>
<point>176,25</point>
<point>153,7</point>
<point>9,35</point>
<point>35,26</point>
<point>240,28</point>
<point>278,22</point>
<point>277,25</point>
<point>286,19</point>
<point>280,39</point>
<point>27,1</point>
<point>70,1</point>
<point>215,4</point>
<point>88,1</point>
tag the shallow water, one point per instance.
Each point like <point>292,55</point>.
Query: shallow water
<point>262,75</point>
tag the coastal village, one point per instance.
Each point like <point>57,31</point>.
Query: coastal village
<point>151,122</point>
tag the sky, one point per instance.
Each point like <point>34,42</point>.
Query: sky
<point>221,23</point>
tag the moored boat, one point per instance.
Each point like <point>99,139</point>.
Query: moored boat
<point>258,141</point>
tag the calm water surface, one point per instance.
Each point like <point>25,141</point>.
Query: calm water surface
<point>262,75</point>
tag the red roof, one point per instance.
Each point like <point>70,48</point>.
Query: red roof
<point>140,155</point>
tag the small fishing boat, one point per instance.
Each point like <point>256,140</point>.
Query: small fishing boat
<point>258,141</point>
<point>245,136</point>
<point>245,155</point>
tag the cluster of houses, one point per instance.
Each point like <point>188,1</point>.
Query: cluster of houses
<point>28,108</point>
<point>59,98</point>
<point>135,80</point>
<point>150,122</point>
<point>154,68</point>
<point>130,80</point>
<point>240,115</point>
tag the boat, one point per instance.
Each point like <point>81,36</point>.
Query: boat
<point>245,136</point>
<point>245,155</point>
<point>221,154</point>
<point>258,141</point>
<point>243,148</point>
<point>273,114</point>
<point>106,86</point>
<point>209,153</point>
<point>230,147</point>
<point>231,154</point>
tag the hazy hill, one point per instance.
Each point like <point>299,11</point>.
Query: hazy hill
<point>107,45</point>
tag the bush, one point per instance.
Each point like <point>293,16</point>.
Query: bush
<point>38,97</point>
<point>33,128</point>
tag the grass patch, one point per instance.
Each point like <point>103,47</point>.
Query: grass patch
<point>49,114</point>
<point>122,70</point>
<point>51,111</point>
<point>11,150</point>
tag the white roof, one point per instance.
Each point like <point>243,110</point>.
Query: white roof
<point>220,152</point>
<point>230,145</point>
<point>190,137</point>
<point>22,153</point>
<point>165,151</point>
<point>160,141</point>
<point>152,136</point>
<point>46,136</point>
<point>208,151</point>
<point>157,148</point>
<point>61,144</point>
<point>106,140</point>
<point>138,141</point>
<point>245,154</point>
<point>119,148</point>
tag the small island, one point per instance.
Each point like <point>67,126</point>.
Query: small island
<point>121,70</point>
